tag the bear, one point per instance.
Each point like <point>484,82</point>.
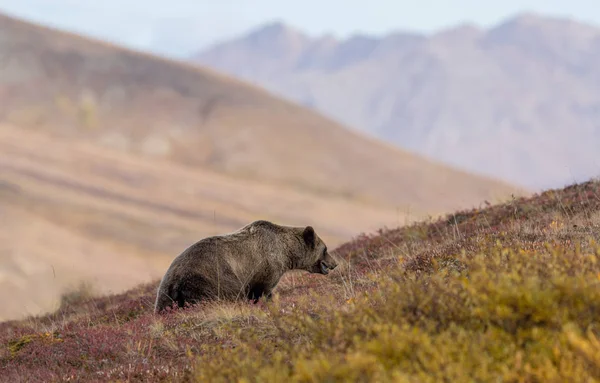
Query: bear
<point>245,264</point>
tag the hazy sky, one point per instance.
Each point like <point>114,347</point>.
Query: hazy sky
<point>192,24</point>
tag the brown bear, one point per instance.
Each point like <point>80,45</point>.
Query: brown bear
<point>245,264</point>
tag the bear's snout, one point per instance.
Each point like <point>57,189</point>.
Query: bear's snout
<point>327,266</point>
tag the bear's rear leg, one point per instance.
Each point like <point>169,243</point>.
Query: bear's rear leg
<point>191,290</point>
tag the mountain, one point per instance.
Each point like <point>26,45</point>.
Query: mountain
<point>519,101</point>
<point>114,161</point>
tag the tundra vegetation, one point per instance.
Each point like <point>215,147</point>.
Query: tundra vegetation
<point>510,292</point>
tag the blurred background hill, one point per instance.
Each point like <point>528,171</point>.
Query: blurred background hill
<point>121,144</point>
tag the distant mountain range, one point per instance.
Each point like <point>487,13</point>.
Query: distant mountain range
<point>520,101</point>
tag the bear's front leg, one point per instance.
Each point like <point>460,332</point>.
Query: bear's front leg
<point>256,291</point>
<point>268,294</point>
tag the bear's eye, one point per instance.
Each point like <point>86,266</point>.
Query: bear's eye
<point>325,250</point>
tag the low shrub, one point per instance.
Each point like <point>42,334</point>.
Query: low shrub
<point>509,315</point>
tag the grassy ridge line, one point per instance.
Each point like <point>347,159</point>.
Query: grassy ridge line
<point>509,292</point>
<point>540,209</point>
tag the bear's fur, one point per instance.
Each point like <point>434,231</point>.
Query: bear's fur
<point>244,264</point>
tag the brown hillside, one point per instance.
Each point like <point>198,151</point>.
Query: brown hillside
<point>76,205</point>
<point>113,161</point>
<point>76,87</point>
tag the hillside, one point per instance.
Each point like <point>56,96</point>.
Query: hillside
<point>519,100</point>
<point>506,293</point>
<point>76,204</point>
<point>120,160</point>
<point>74,87</point>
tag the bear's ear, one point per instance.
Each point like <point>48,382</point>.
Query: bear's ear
<point>309,236</point>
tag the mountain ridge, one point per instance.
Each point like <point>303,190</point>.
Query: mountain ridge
<point>453,95</point>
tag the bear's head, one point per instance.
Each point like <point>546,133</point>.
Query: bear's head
<point>317,259</point>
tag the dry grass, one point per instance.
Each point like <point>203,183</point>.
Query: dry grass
<point>506,293</point>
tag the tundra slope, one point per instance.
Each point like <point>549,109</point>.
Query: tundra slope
<point>404,303</point>
<point>247,263</point>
